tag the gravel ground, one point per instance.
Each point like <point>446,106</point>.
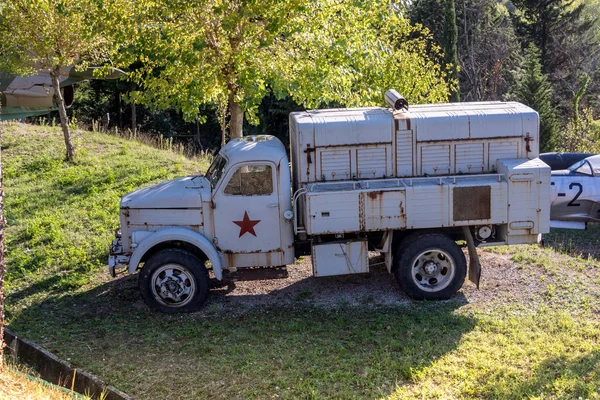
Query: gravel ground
<point>501,281</point>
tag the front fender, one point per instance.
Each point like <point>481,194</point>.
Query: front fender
<point>182,235</point>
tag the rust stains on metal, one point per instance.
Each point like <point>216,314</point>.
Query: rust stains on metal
<point>402,212</point>
<point>472,203</point>
<point>527,139</point>
<point>361,211</point>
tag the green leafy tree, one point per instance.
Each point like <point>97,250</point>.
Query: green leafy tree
<point>581,134</point>
<point>450,49</point>
<point>534,90</point>
<point>50,35</point>
<point>238,52</point>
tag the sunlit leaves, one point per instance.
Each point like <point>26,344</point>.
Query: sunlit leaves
<point>321,51</point>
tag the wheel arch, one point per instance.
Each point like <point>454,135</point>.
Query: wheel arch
<point>184,238</point>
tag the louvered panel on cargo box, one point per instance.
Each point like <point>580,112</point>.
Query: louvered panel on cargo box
<point>404,153</point>
<point>334,164</point>
<point>435,159</point>
<point>372,162</point>
<point>499,150</point>
<point>468,158</point>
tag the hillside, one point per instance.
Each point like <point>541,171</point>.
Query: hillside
<point>531,331</point>
<point>61,217</point>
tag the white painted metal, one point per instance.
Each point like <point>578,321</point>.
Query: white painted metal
<point>410,203</point>
<point>444,138</point>
<point>528,198</point>
<point>340,258</point>
<point>169,234</point>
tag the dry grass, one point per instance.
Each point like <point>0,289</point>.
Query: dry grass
<point>15,383</point>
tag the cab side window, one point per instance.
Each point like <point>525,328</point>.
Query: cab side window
<point>250,180</point>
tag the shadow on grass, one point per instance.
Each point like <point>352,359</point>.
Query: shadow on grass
<point>292,350</point>
<point>575,242</point>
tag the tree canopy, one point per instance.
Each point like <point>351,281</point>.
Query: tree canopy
<point>50,35</point>
<point>234,53</point>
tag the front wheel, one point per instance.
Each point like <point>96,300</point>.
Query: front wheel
<point>430,266</point>
<point>174,280</point>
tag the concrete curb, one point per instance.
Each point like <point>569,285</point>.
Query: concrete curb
<point>57,371</point>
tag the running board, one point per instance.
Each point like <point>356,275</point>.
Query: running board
<point>256,274</point>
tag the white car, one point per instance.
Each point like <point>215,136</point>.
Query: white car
<point>575,194</point>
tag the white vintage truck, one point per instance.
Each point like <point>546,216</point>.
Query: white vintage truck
<point>409,184</point>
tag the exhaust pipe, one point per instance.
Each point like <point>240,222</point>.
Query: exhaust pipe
<point>396,100</point>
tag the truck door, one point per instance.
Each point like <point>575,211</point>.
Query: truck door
<point>247,216</point>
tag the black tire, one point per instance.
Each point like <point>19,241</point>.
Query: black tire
<point>174,281</point>
<point>430,266</point>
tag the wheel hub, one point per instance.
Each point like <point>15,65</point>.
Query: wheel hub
<point>430,268</point>
<point>433,270</point>
<point>173,287</point>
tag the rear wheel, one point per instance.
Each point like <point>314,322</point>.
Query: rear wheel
<point>174,280</point>
<point>430,266</point>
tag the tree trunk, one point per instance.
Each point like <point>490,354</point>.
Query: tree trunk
<point>133,113</point>
<point>2,261</point>
<point>236,122</point>
<point>62,111</point>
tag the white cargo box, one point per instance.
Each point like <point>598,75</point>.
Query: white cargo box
<point>427,140</point>
<point>528,199</point>
<point>340,258</point>
<point>410,203</point>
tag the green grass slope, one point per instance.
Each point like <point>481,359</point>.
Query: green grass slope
<point>532,331</point>
<point>61,217</point>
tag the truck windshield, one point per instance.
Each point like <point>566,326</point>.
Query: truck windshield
<point>216,170</point>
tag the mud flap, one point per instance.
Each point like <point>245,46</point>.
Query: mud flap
<point>474,264</point>
<point>385,247</point>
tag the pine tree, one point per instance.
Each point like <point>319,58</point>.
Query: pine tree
<point>534,90</point>
<point>450,49</point>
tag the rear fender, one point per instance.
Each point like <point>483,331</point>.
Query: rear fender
<point>182,235</point>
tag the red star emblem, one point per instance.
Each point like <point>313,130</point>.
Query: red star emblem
<point>247,224</point>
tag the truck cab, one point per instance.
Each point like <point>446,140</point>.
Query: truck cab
<point>249,201</point>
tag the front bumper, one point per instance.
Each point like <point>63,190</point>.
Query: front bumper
<point>117,260</point>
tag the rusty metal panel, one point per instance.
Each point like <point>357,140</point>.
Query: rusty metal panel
<point>435,159</point>
<point>334,165</point>
<point>468,158</point>
<point>498,198</point>
<point>472,203</point>
<point>252,259</point>
<point>340,258</point>
<point>372,162</point>
<point>384,209</point>
<point>404,153</point>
